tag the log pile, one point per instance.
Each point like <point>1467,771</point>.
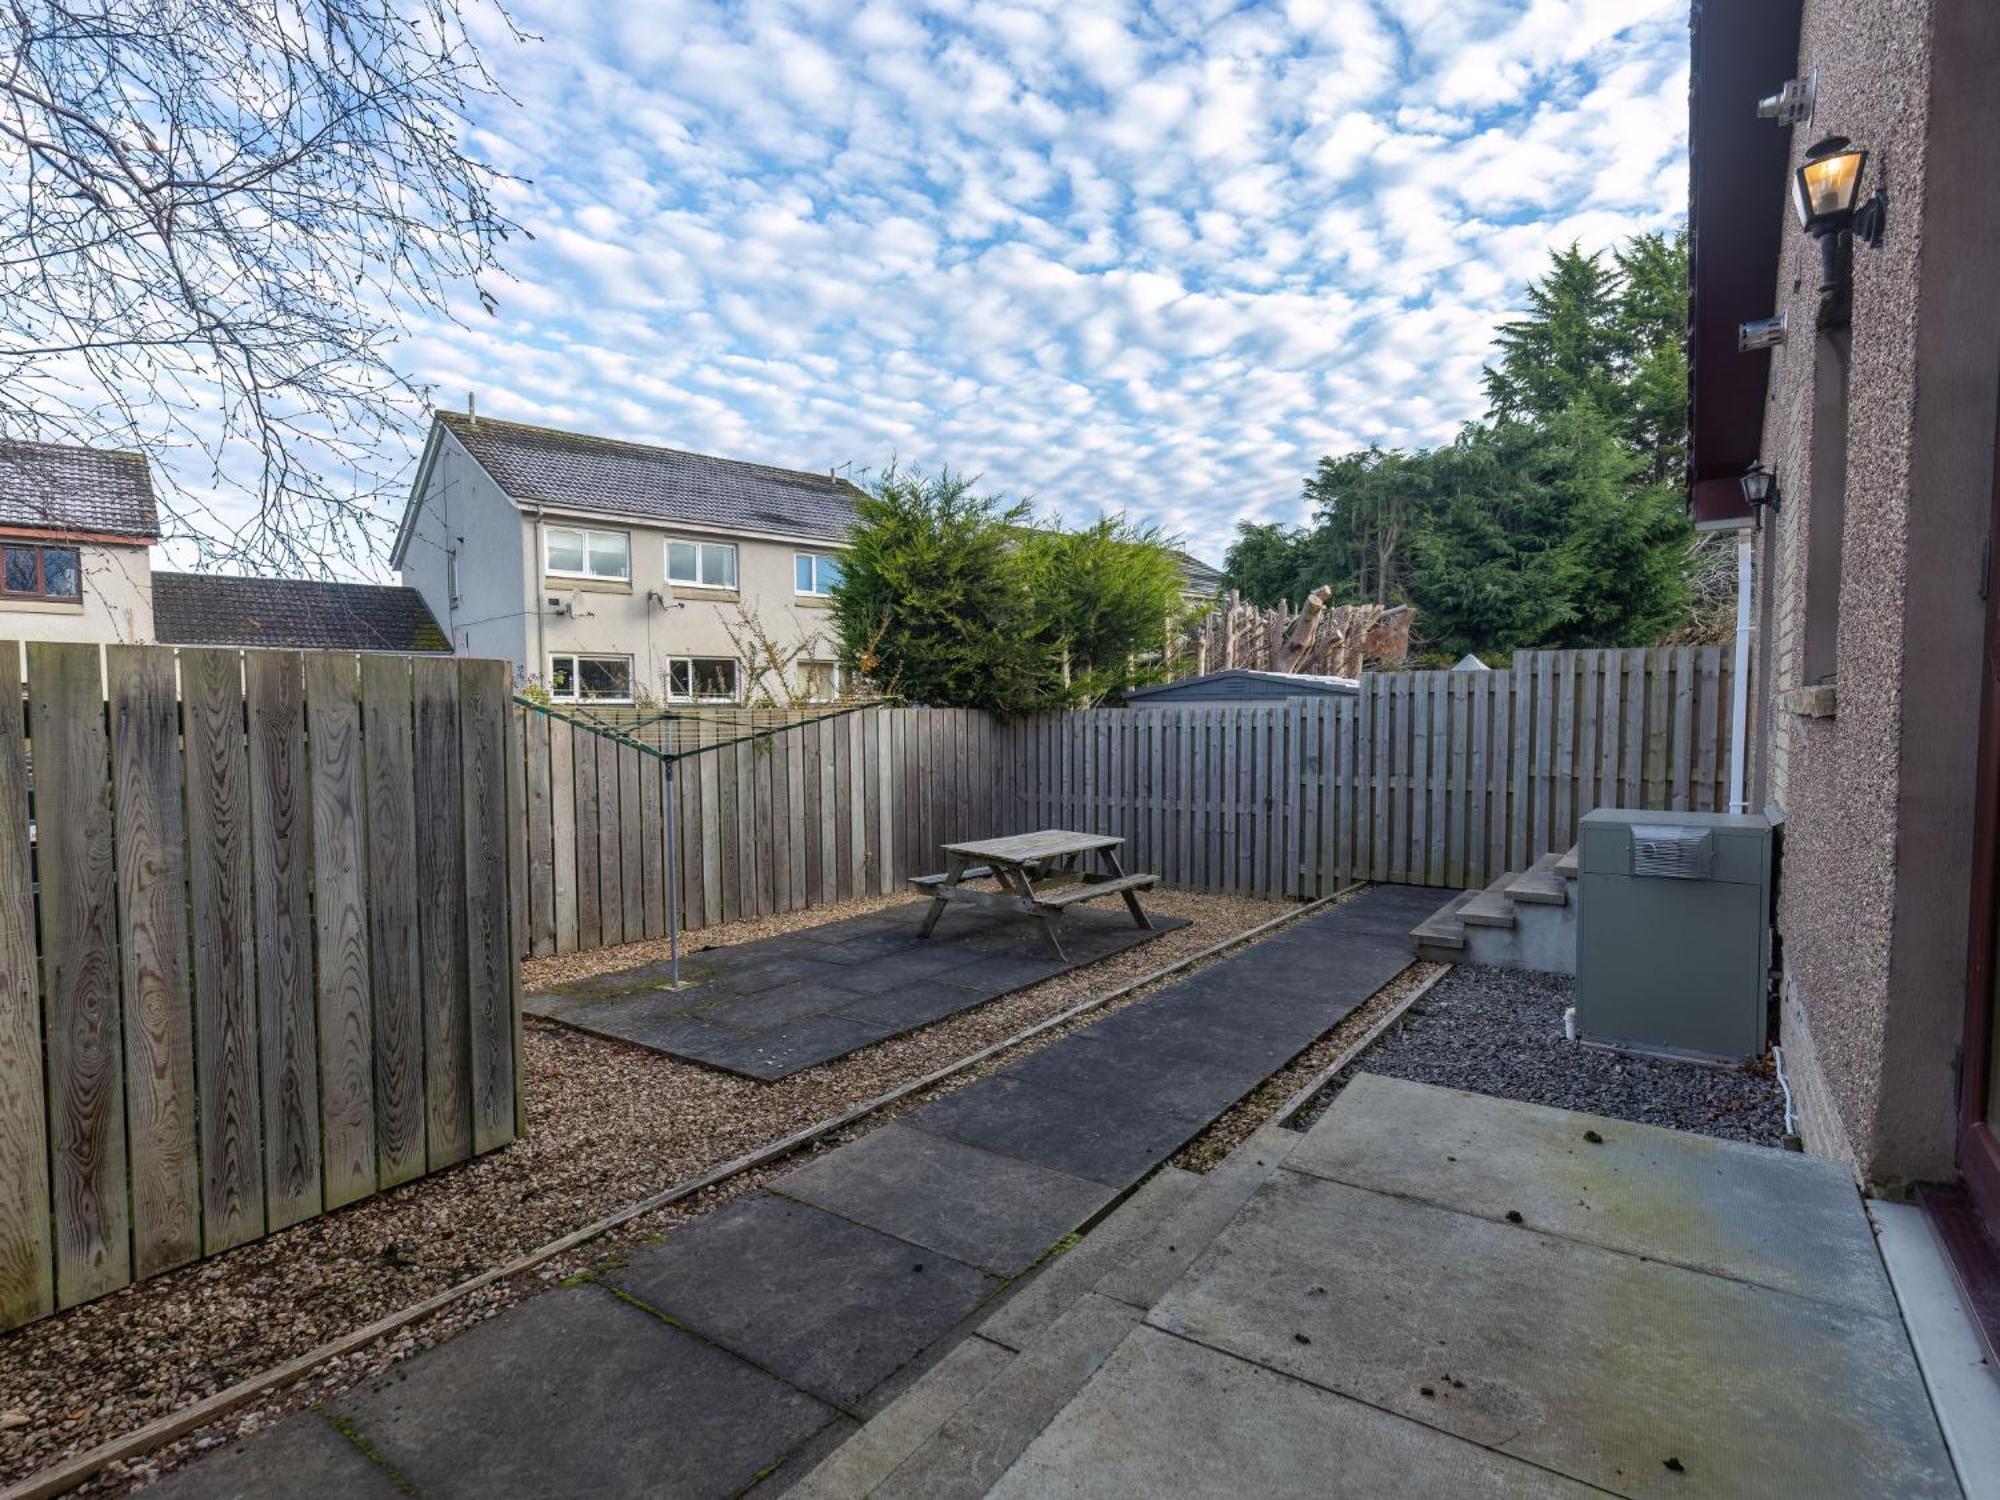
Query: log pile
<point>1322,639</point>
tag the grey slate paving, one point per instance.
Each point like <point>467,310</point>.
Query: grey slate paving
<point>1593,1363</point>
<point>984,1209</point>
<point>1108,1137</point>
<point>770,1008</point>
<point>830,1306</point>
<point>304,1457</point>
<point>1752,1212</point>
<point>577,1393</point>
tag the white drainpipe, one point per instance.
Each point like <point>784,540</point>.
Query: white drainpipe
<point>1739,697</point>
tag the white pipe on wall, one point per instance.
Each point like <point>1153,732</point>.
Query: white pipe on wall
<point>1739,696</point>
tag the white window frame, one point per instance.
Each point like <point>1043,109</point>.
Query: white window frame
<point>576,660</point>
<point>588,533</point>
<point>837,677</point>
<point>667,679</point>
<point>816,591</point>
<point>701,549</point>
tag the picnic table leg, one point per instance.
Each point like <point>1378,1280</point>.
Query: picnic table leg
<point>1131,897</point>
<point>1024,885</point>
<point>953,869</point>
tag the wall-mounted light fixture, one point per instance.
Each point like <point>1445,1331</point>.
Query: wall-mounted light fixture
<point>1760,489</point>
<point>1826,193</point>
<point>1760,333</point>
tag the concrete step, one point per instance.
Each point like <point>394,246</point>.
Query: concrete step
<point>1490,907</point>
<point>1442,931</point>
<point>1567,866</point>
<point>1540,884</point>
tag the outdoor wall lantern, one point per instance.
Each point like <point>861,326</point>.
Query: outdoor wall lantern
<point>1825,192</point>
<point>1760,489</point>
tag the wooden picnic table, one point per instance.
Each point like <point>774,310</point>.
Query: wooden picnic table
<point>1040,875</point>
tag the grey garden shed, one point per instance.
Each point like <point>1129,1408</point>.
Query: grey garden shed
<point>1240,685</point>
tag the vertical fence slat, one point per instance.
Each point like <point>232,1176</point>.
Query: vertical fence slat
<point>441,910</point>
<point>563,833</point>
<point>483,696</point>
<point>27,1265</point>
<point>340,929</point>
<point>541,832</point>
<point>395,945</point>
<point>159,1024</point>
<point>222,909</point>
<point>280,811</point>
<point>631,842</point>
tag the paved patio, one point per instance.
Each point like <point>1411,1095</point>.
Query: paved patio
<point>776,1006</point>
<point>753,1341</point>
<point>1439,1294</point>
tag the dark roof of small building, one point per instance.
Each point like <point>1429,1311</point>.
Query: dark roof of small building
<point>55,487</point>
<point>1200,576</point>
<point>214,609</point>
<point>1245,683</point>
<point>570,470</point>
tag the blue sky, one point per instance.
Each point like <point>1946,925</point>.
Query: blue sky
<point>1108,256</point>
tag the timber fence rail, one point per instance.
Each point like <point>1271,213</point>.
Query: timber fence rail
<point>1431,778</point>
<point>255,957</point>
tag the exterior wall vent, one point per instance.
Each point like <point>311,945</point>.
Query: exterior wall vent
<point>1663,851</point>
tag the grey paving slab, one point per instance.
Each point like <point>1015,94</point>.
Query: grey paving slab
<point>577,1393</point>
<point>1109,1136</point>
<point>1773,1217</point>
<point>1589,1362</point>
<point>770,1008</point>
<point>1039,1299</point>
<point>905,1425</point>
<point>977,1442</point>
<point>304,1457</point>
<point>981,1208</point>
<point>828,1305</point>
<point>1165,1417</point>
<point>1188,1083</point>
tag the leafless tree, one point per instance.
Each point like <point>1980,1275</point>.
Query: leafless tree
<point>216,219</point>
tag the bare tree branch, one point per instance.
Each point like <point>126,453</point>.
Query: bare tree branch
<point>216,221</point>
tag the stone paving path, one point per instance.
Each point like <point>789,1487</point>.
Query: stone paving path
<point>751,1342</point>
<point>773,1007</point>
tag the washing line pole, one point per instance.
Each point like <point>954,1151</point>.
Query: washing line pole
<point>673,876</point>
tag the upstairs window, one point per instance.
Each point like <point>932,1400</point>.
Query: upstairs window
<point>40,573</point>
<point>701,679</point>
<point>573,552</point>
<point>815,573</point>
<point>590,679</point>
<point>702,565</point>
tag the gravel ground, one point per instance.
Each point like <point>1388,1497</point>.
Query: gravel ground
<point>1500,1031</point>
<point>609,1124</point>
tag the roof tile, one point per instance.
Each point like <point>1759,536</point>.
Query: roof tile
<point>213,609</point>
<point>55,487</point>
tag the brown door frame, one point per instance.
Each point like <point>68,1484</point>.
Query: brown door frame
<point>1978,1146</point>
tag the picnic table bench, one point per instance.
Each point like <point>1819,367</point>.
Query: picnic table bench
<point>1040,875</point>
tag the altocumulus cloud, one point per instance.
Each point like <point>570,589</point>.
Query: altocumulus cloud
<point>1155,258</point>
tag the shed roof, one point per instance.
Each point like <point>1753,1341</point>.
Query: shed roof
<point>574,471</point>
<point>1248,682</point>
<point>61,488</point>
<point>214,609</point>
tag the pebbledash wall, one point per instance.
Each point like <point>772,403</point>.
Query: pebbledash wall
<point>1870,579</point>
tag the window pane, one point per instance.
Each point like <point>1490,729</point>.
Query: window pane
<point>829,574</point>
<point>605,676</point>
<point>21,571</point>
<point>59,579</point>
<point>681,563</point>
<point>802,572</point>
<point>714,679</point>
<point>680,678</point>
<point>565,551</point>
<point>562,677</point>
<point>610,555</point>
<point>718,567</point>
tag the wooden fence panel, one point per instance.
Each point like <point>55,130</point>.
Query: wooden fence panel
<point>222,908</point>
<point>563,833</point>
<point>27,1264</point>
<point>395,945</point>
<point>541,831</point>
<point>441,914</point>
<point>483,698</point>
<point>159,1020</point>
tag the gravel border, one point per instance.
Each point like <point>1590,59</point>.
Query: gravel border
<point>1500,1032</point>
<point>609,1124</point>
